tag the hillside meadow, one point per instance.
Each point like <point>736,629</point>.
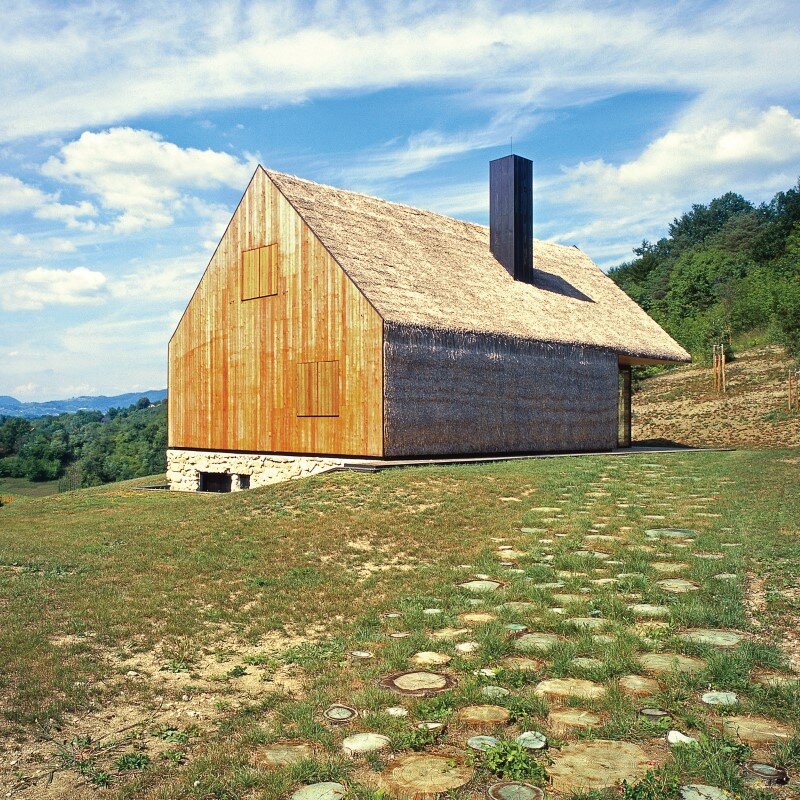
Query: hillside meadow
<point>157,645</point>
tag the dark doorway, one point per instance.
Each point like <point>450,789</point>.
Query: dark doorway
<point>624,408</point>
<point>244,481</point>
<point>215,482</point>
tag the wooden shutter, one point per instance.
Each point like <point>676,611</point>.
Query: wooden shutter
<point>318,389</point>
<point>260,272</point>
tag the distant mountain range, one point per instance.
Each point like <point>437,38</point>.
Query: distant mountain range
<point>11,407</point>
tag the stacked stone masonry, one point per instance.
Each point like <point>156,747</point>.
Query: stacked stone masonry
<point>184,468</point>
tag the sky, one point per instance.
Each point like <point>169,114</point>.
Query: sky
<point>129,131</point>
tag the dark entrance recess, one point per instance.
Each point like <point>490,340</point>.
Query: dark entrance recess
<point>624,408</point>
<point>215,482</point>
<point>244,481</point>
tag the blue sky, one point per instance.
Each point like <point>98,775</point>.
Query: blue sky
<point>128,132</point>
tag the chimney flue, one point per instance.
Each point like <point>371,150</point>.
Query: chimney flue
<point>511,215</point>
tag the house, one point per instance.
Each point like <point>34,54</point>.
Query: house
<point>330,325</point>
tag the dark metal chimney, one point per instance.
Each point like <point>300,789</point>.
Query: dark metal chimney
<point>511,215</point>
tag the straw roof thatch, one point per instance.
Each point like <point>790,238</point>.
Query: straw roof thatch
<point>424,269</point>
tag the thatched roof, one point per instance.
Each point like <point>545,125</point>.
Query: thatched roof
<point>424,269</point>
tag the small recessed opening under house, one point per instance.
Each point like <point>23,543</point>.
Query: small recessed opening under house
<point>215,482</point>
<point>244,481</point>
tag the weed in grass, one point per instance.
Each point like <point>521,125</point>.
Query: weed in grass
<point>237,672</point>
<point>173,756</point>
<point>512,761</point>
<point>714,761</point>
<point>787,754</point>
<point>171,734</point>
<point>129,762</point>
<point>412,740</point>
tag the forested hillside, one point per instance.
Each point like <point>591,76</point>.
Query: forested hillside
<point>86,448</point>
<point>726,270</point>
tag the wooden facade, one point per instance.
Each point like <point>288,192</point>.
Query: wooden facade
<point>278,351</point>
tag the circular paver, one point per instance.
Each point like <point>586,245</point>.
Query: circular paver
<point>669,566</point>
<point>430,725</point>
<point>365,743</point>
<point>465,648</point>
<point>569,719</point>
<point>638,685</point>
<point>660,663</point>
<point>418,683</point>
<point>566,599</point>
<point>482,743</point>
<point>700,791</point>
<point>584,662</point>
<point>428,658</point>
<point>481,585</point>
<point>649,610</point>
<point>327,790</point>
<point>448,634</point>
<point>281,753</point>
<point>570,687</point>
<point>521,663</point>
<point>339,713</point>
<point>597,765</point>
<point>670,533</point>
<point>677,585</point>
<point>495,692</point>
<point>654,714</point>
<point>536,642</point>
<point>425,774</point>
<point>517,607</point>
<point>717,638</point>
<point>476,617</point>
<point>532,740</point>
<point>514,790</point>
<point>361,654</point>
<point>397,711</point>
<point>587,623</point>
<point>767,773</point>
<point>483,715</point>
<point>719,698</point>
<point>775,679</point>
<point>756,730</point>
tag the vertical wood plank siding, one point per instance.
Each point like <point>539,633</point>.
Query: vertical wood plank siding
<point>234,364</point>
<point>453,394</point>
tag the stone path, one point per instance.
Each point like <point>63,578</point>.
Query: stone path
<point>597,616</point>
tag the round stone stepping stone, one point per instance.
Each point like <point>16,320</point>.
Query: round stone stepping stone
<point>430,725</point>
<point>570,687</point>
<point>485,672</point>
<point>566,599</point>
<point>429,658</point>
<point>604,581</point>
<point>701,791</point>
<point>282,753</point>
<point>603,638</point>
<point>339,713</point>
<point>514,790</point>
<point>649,611</point>
<point>661,663</point>
<point>516,627</point>
<point>517,607</point>
<point>417,684</point>
<point>756,730</point>
<point>481,585</point>
<point>425,775</point>
<point>327,790</point>
<point>670,533</point>
<point>587,623</point>
<point>465,648</point>
<point>669,566</point>
<point>717,638</point>
<point>638,685</point>
<point>654,714</point>
<point>397,711</point>
<point>584,662</point>
<point>476,617</point>
<point>548,586</point>
<point>399,635</point>
<point>432,612</point>
<point>365,743</point>
<point>766,773</point>
<point>521,664</point>
<point>677,585</point>
<point>447,634</point>
<point>726,576</point>
<point>495,692</point>
<point>709,556</point>
<point>719,698</point>
<point>676,738</point>
<point>546,509</point>
<point>600,764</point>
<point>483,715</point>
<point>361,654</point>
<point>532,740</point>
<point>775,679</point>
<point>565,720</point>
<point>391,615</point>
<point>536,642</point>
<point>482,743</point>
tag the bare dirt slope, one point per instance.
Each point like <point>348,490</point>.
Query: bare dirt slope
<point>681,405</point>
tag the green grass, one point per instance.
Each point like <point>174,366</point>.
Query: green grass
<point>247,605</point>
<point>22,487</point>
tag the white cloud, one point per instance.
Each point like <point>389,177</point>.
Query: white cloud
<point>16,196</point>
<point>169,281</point>
<point>147,334</point>
<point>141,178</point>
<point>32,289</point>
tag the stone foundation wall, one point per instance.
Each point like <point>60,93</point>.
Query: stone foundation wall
<point>184,468</point>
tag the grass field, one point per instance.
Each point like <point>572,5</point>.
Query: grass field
<point>24,488</point>
<point>157,645</point>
